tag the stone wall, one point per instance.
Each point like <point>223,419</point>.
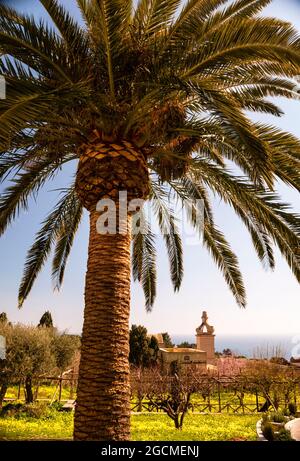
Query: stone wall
<point>183,356</point>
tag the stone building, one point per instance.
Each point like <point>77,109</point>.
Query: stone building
<point>183,356</point>
<point>202,357</point>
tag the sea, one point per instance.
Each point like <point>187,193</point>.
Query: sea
<point>257,346</point>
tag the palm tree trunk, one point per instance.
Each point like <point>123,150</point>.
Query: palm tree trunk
<point>102,410</point>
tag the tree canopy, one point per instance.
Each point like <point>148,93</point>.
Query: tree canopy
<point>143,347</point>
<point>167,340</point>
<point>174,79</point>
<point>46,320</point>
<point>3,317</point>
<point>32,352</point>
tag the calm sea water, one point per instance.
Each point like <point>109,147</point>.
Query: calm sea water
<point>253,346</point>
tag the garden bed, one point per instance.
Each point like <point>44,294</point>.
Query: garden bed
<point>274,427</point>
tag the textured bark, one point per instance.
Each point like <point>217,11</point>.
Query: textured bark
<point>105,168</point>
<point>102,409</point>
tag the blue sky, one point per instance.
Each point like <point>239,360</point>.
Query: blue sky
<point>273,297</point>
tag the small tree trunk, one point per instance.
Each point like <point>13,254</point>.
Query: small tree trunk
<point>177,422</point>
<point>19,391</point>
<point>185,409</point>
<point>36,391</point>
<point>60,387</point>
<point>28,390</point>
<point>102,410</point>
<point>3,390</point>
<point>71,396</point>
<point>140,402</point>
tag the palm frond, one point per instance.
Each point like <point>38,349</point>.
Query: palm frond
<point>168,226</point>
<point>64,240</point>
<point>281,225</point>
<point>189,192</point>
<point>198,10</point>
<point>51,230</point>
<point>153,16</point>
<point>144,262</point>
<point>226,260</point>
<point>75,39</point>
<point>25,185</point>
<point>188,189</point>
<point>36,46</point>
<point>113,18</point>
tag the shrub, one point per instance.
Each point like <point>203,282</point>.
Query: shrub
<point>292,408</point>
<point>268,432</point>
<point>279,361</point>
<point>284,435</point>
<point>36,410</point>
<point>56,406</point>
<point>10,409</point>
<point>277,417</point>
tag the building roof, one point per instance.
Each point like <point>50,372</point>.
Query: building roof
<point>181,350</point>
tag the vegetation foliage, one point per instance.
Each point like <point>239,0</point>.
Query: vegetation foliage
<point>143,348</point>
<point>33,352</point>
<point>176,81</point>
<point>59,425</point>
<point>46,320</point>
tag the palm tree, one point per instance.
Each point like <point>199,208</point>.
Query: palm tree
<point>149,99</point>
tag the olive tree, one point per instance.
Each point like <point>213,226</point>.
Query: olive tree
<point>64,347</point>
<point>29,354</point>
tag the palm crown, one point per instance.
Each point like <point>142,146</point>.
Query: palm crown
<point>175,82</point>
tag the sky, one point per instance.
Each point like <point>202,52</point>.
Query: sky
<point>273,297</point>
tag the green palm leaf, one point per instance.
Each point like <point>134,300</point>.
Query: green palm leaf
<point>168,226</point>
<point>144,262</point>
<point>64,240</point>
<point>174,79</point>
<point>53,228</point>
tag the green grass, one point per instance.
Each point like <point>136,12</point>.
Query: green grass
<point>196,427</point>
<point>45,391</point>
<point>59,425</point>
